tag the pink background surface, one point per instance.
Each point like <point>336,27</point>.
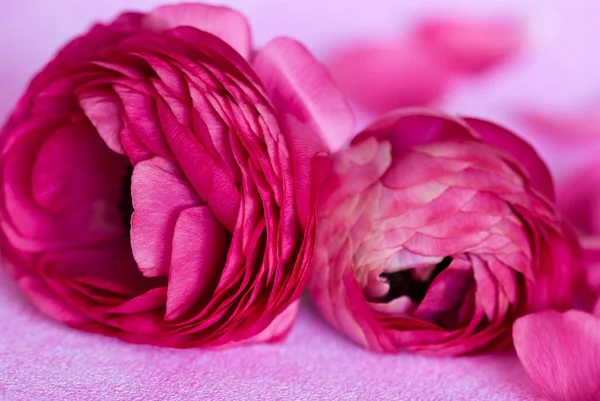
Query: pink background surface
<point>42,360</point>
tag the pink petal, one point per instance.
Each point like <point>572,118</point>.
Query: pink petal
<point>313,111</point>
<point>74,165</point>
<point>200,246</point>
<point>159,193</point>
<point>414,127</point>
<point>104,110</point>
<point>561,353</point>
<point>471,46</point>
<point>278,329</point>
<point>579,199</point>
<point>50,304</point>
<point>210,178</point>
<point>223,22</point>
<point>579,125</point>
<point>301,89</point>
<point>526,155</point>
<point>385,76</point>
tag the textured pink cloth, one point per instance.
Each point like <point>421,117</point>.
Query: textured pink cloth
<point>42,360</point>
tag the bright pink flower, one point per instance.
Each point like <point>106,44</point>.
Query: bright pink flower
<point>471,45</point>
<point>155,179</point>
<point>435,234</point>
<point>383,76</point>
<point>561,353</point>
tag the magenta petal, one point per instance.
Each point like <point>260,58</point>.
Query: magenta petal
<point>314,114</point>
<point>579,198</point>
<point>382,77</point>
<point>581,126</point>
<point>301,88</point>
<point>200,245</point>
<point>74,166</point>
<point>399,128</point>
<point>561,353</point>
<point>471,46</point>
<point>40,294</point>
<point>104,109</point>
<point>223,22</point>
<point>159,193</point>
<point>496,135</point>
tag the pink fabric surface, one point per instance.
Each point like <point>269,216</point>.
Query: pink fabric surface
<point>42,360</point>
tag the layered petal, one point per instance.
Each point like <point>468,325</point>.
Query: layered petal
<point>223,22</point>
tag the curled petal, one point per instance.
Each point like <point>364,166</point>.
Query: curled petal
<point>496,135</point>
<point>399,127</point>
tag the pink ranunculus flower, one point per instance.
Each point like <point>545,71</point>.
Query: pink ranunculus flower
<point>435,233</point>
<point>155,179</point>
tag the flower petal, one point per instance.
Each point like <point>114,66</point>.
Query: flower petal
<point>469,45</point>
<point>406,128</point>
<point>383,76</point>
<point>159,193</point>
<point>314,112</point>
<point>200,245</point>
<point>498,136</point>
<point>223,22</point>
<point>300,87</point>
<point>561,353</point>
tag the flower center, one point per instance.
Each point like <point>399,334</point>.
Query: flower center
<point>125,204</point>
<point>404,283</point>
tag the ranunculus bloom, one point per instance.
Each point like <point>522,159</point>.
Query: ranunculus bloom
<point>155,179</point>
<point>435,233</point>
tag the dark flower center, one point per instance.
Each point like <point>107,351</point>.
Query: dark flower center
<point>125,204</point>
<point>402,283</point>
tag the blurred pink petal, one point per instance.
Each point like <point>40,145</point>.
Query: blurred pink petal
<point>384,76</point>
<point>302,91</point>
<point>581,125</point>
<point>579,199</point>
<point>471,45</point>
<point>223,22</point>
<point>591,257</point>
<point>561,353</point>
